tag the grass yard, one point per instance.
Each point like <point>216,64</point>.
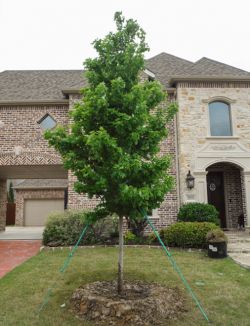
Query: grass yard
<point>222,286</point>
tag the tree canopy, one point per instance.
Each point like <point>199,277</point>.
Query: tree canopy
<point>113,143</point>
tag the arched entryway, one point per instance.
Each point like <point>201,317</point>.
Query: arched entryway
<point>226,191</point>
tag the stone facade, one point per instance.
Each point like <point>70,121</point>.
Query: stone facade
<point>23,194</point>
<point>198,149</point>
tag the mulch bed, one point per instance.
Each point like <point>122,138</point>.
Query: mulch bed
<point>142,304</point>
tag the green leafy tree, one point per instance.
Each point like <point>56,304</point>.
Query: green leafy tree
<point>114,139</point>
<point>10,196</point>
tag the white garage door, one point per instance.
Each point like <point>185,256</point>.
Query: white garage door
<point>36,211</point>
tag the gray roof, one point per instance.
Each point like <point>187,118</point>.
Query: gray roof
<point>165,65</point>
<point>47,85</point>
<point>207,67</point>
<point>35,85</point>
<point>42,184</point>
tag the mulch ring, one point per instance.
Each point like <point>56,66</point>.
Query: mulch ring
<point>142,304</point>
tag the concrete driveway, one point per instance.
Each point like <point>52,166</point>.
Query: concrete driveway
<point>22,233</point>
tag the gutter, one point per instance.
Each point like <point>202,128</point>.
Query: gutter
<point>175,79</point>
<point>34,102</point>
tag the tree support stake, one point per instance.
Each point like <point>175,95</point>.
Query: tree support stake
<point>176,267</point>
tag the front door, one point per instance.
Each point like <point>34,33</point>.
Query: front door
<point>215,192</point>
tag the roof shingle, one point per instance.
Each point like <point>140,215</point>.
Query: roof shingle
<point>211,68</point>
<point>42,184</point>
<point>47,85</point>
<point>35,85</point>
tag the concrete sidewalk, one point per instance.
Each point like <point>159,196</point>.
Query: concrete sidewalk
<point>239,247</point>
<point>22,233</point>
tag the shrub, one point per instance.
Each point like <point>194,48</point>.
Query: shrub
<point>198,212</point>
<point>151,238</point>
<point>130,238</point>
<point>137,226</point>
<point>216,236</point>
<point>64,229</point>
<point>187,234</point>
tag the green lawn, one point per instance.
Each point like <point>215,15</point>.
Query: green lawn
<point>222,286</point>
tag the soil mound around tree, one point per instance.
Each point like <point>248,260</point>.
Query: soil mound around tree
<point>142,304</point>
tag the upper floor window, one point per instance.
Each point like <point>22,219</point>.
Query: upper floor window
<point>47,122</point>
<point>220,119</point>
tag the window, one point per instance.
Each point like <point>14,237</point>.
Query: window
<point>220,119</point>
<point>47,122</point>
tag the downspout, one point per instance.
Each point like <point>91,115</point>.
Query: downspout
<point>177,155</point>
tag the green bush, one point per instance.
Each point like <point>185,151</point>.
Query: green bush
<point>64,229</point>
<point>151,238</point>
<point>130,238</point>
<point>187,234</point>
<point>198,212</point>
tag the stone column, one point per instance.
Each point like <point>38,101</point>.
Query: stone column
<point>3,202</point>
<point>199,192</point>
<point>201,186</point>
<point>247,190</point>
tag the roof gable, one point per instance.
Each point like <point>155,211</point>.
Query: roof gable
<point>165,65</point>
<point>208,67</point>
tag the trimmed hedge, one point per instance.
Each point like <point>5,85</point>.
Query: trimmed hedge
<point>64,229</point>
<point>187,234</point>
<point>198,212</point>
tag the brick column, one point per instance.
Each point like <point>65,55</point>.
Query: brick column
<point>3,201</point>
<point>247,190</point>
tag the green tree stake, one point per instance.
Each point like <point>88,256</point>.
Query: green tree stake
<point>176,268</point>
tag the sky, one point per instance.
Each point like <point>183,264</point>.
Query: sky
<point>57,34</point>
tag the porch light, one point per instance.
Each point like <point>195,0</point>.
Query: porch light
<point>190,180</point>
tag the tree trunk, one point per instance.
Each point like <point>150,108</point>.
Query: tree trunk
<point>120,261</point>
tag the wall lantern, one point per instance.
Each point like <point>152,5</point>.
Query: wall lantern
<point>190,180</point>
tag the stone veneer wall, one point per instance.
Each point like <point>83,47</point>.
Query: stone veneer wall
<point>167,213</point>
<point>22,194</point>
<point>3,201</point>
<point>193,124</point>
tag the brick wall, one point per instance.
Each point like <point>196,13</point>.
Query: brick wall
<point>21,126</point>
<point>22,194</point>
<point>3,201</point>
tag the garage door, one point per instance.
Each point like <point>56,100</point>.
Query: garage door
<point>36,211</point>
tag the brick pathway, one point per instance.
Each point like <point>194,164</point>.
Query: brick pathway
<point>15,252</point>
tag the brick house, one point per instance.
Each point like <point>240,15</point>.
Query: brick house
<point>210,136</point>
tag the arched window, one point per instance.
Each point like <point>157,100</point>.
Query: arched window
<point>220,119</point>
